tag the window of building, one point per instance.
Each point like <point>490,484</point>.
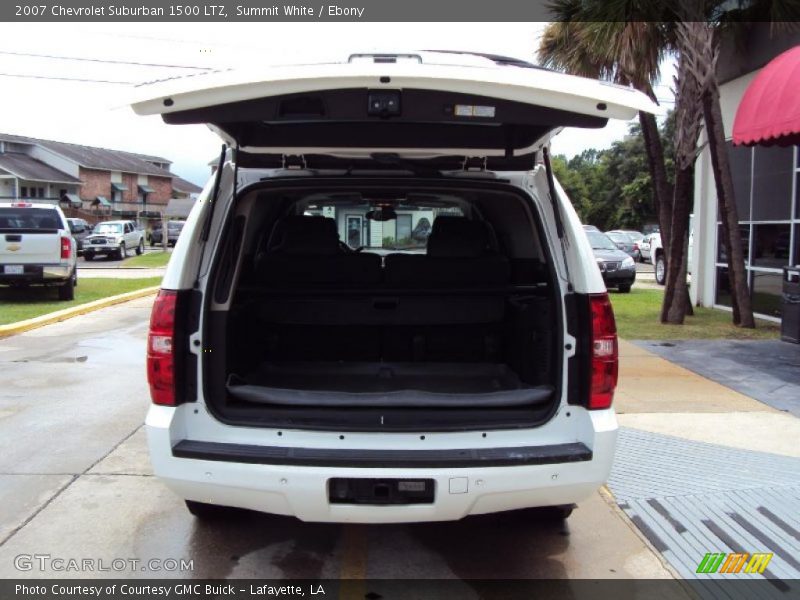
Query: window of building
<point>40,192</point>
<point>767,186</point>
<point>772,184</point>
<point>23,191</point>
<point>766,293</point>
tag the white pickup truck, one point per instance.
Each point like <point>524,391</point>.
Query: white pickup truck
<point>113,239</point>
<point>37,248</point>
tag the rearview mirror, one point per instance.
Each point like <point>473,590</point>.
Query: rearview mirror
<point>386,213</point>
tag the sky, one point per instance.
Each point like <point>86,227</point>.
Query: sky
<point>73,83</point>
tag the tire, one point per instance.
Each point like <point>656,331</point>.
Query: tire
<point>122,253</point>
<point>140,248</point>
<point>660,268</point>
<point>88,256</point>
<point>207,512</point>
<point>624,288</point>
<point>66,291</point>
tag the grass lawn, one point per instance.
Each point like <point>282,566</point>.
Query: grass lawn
<point>148,259</point>
<point>638,313</point>
<point>20,304</point>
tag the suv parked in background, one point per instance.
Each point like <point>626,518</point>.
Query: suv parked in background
<point>37,248</point>
<point>80,230</point>
<point>174,229</point>
<point>470,374</point>
<point>653,252</point>
<point>113,238</point>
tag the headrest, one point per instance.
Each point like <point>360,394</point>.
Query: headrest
<point>301,235</point>
<point>458,237</point>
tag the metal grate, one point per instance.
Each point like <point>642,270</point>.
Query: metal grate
<point>690,498</point>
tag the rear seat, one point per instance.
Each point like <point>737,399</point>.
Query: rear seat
<point>306,250</point>
<point>459,253</point>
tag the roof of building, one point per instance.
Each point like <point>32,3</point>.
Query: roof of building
<point>179,207</point>
<point>25,167</point>
<point>181,185</point>
<point>98,158</point>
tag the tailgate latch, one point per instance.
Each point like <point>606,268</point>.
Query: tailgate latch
<point>474,163</point>
<point>293,161</point>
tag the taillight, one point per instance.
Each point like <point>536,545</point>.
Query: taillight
<point>160,343</point>
<point>66,247</point>
<point>604,352</point>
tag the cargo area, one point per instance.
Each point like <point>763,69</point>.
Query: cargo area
<point>383,308</point>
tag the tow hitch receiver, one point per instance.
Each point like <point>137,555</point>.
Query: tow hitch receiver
<point>380,491</point>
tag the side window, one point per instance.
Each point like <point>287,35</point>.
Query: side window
<point>128,228</point>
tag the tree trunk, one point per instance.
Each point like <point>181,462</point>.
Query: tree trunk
<point>722,176</point>
<point>662,190</point>
<point>674,305</point>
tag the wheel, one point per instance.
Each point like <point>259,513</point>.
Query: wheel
<point>140,248</point>
<point>624,288</point>
<point>66,291</point>
<point>88,256</point>
<point>122,253</point>
<point>207,512</point>
<point>661,269</point>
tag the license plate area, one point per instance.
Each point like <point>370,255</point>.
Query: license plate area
<point>380,491</point>
<point>14,269</point>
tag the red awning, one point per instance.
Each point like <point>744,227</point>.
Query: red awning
<point>769,113</point>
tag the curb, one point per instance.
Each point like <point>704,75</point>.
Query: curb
<point>74,311</point>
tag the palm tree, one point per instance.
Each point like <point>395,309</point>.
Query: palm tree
<point>624,40</point>
<point>627,52</point>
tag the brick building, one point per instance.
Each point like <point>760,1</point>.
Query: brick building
<point>93,180</point>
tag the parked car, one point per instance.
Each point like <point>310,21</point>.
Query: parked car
<point>624,242</point>
<point>636,238</point>
<point>80,230</point>
<point>113,238</point>
<point>616,266</point>
<point>174,229</point>
<point>424,386</point>
<point>653,252</point>
<point>590,228</point>
<point>37,248</point>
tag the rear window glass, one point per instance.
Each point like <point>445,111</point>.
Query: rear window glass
<point>389,225</point>
<point>30,219</point>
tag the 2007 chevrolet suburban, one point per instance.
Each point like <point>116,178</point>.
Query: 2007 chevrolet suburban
<point>383,308</point>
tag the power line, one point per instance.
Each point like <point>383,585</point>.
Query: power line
<point>25,76</point>
<point>102,60</point>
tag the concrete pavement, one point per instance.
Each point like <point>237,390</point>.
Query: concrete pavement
<point>75,479</point>
<point>76,482</point>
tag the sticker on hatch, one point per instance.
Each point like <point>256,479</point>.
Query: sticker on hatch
<point>474,110</point>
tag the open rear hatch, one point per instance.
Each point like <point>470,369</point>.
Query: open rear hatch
<point>383,362</point>
<point>418,105</point>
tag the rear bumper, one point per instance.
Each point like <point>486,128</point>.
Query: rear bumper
<point>37,273</point>
<point>293,481</point>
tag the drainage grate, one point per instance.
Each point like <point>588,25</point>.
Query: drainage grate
<point>690,498</point>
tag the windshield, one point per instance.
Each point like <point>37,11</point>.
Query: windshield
<point>600,241</point>
<point>29,219</point>
<point>108,228</point>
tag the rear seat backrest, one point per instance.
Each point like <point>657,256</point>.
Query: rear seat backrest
<point>306,250</point>
<point>459,253</point>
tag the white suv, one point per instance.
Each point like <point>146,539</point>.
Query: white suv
<point>309,355</point>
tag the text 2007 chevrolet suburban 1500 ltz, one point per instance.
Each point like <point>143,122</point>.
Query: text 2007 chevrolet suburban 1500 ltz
<point>383,308</point>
